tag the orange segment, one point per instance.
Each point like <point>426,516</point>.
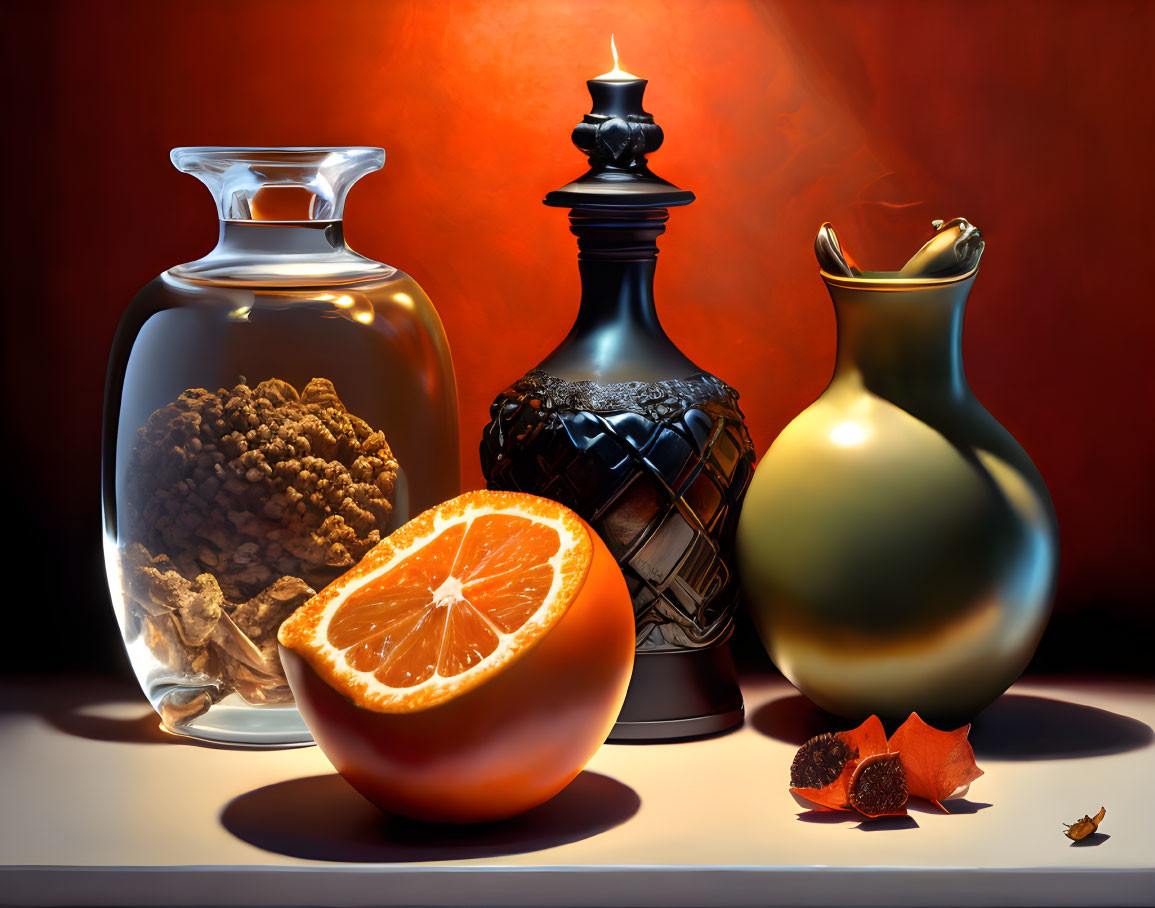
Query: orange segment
<point>499,544</point>
<point>469,638</point>
<point>452,597</point>
<point>509,599</point>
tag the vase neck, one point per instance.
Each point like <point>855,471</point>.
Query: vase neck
<point>903,344</point>
<point>617,335</point>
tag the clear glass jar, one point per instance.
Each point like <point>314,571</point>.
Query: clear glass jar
<point>273,410</point>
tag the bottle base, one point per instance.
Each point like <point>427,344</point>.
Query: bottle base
<point>680,695</point>
<point>677,729</point>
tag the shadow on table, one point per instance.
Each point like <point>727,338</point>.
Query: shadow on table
<point>1025,727</point>
<point>1014,727</point>
<point>97,709</point>
<point>126,723</point>
<point>1093,840</point>
<point>954,805</point>
<point>858,821</point>
<point>321,818</point>
<point>794,719</point>
<point>109,712</point>
<point>881,824</point>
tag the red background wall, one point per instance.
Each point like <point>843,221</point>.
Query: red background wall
<point>1033,119</point>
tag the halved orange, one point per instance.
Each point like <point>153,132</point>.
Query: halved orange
<point>472,663</point>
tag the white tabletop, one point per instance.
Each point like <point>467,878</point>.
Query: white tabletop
<point>98,807</point>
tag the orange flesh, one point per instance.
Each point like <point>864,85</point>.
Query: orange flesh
<point>443,608</point>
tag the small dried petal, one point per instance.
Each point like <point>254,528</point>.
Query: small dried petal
<point>1080,829</point>
<point>878,786</point>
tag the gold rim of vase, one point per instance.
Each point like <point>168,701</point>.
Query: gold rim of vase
<point>894,283</point>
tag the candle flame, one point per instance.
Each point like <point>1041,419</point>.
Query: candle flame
<point>617,74</point>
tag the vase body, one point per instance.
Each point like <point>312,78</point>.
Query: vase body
<point>898,548</point>
<point>272,411</point>
<point>620,426</point>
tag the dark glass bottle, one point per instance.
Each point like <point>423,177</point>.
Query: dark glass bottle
<point>618,424</point>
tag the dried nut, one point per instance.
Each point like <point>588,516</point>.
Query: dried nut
<point>820,761</point>
<point>878,786</point>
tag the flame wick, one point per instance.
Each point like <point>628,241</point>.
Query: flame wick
<point>617,74</point>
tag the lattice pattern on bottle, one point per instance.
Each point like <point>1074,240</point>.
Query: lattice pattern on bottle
<point>659,469</point>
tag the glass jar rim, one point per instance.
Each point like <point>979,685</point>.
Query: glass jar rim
<point>269,183</point>
<point>183,155</point>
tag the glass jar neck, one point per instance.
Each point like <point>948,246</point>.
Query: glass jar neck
<point>903,344</point>
<point>280,238</point>
<point>282,254</point>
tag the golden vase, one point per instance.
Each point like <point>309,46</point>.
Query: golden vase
<point>897,547</point>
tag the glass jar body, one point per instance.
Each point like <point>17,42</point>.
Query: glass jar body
<point>260,436</point>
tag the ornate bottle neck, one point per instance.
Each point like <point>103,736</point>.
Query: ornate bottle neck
<point>618,235</point>
<point>617,335</point>
<point>617,258</point>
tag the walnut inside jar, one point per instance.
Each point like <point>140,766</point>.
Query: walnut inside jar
<point>239,504</point>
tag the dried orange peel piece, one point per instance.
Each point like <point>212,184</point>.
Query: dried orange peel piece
<point>868,740</point>
<point>1080,829</point>
<point>940,765</point>
<point>917,761</point>
<point>445,602</point>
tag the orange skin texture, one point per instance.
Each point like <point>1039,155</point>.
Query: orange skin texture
<point>508,744</point>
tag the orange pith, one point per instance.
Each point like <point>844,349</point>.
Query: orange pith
<point>446,601</point>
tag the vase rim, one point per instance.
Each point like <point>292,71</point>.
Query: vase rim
<point>889,281</point>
